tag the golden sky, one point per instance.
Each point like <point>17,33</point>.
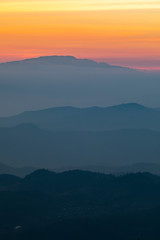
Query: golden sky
<point>111,29</point>
<point>74,5</point>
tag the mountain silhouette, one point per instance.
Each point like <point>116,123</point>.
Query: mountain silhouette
<point>21,172</point>
<point>79,205</point>
<point>62,60</point>
<point>68,81</point>
<point>129,115</point>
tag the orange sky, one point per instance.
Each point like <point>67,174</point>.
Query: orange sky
<point>101,29</point>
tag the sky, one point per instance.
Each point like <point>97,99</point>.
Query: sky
<point>120,32</point>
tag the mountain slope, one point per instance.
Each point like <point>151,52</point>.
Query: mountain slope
<point>80,205</point>
<point>21,172</point>
<point>60,81</point>
<point>130,115</point>
<point>61,60</point>
<point>26,145</point>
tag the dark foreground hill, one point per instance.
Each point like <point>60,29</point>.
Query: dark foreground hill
<point>130,115</point>
<point>79,205</point>
<point>140,167</point>
<point>27,145</point>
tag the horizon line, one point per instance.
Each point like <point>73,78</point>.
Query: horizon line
<point>145,69</point>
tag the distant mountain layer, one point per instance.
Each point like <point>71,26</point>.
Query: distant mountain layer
<point>21,172</point>
<point>140,167</point>
<point>130,115</point>
<point>61,60</point>
<point>27,145</point>
<point>67,81</point>
<point>79,205</point>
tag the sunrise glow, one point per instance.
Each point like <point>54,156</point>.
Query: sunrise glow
<point>101,29</point>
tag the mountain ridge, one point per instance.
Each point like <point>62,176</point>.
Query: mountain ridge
<point>120,106</point>
<point>37,84</point>
<point>140,167</point>
<point>130,115</point>
<point>66,60</point>
<point>112,107</point>
<point>44,205</point>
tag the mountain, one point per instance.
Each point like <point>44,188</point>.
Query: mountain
<point>21,172</point>
<point>129,115</point>
<point>62,60</point>
<point>139,167</point>
<point>79,205</point>
<point>76,181</point>
<point>152,168</point>
<point>67,81</point>
<point>27,145</point>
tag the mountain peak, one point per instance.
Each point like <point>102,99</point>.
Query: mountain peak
<point>62,60</point>
<point>68,60</point>
<point>129,106</point>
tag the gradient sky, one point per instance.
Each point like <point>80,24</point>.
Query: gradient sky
<point>118,31</point>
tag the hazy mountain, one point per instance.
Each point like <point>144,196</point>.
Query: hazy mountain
<point>60,81</point>
<point>21,172</point>
<point>152,168</point>
<point>79,205</point>
<point>137,167</point>
<point>63,60</point>
<point>89,119</point>
<point>140,167</point>
<point>60,60</point>
<point>26,145</point>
